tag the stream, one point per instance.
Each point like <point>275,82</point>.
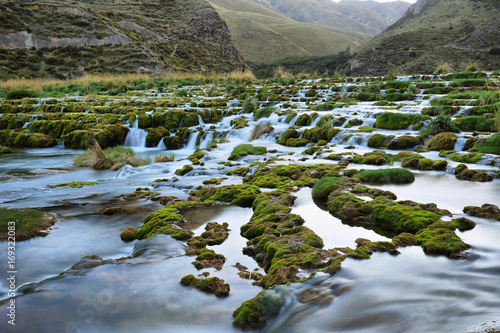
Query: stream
<point>411,292</point>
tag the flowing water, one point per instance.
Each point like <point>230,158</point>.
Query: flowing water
<point>410,292</point>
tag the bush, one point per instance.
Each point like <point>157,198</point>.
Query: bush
<point>441,123</point>
<point>386,176</point>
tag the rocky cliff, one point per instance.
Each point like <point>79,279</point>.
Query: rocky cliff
<point>67,38</point>
<point>434,32</point>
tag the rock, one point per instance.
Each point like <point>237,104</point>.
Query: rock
<point>488,211</point>
<point>111,210</point>
<point>464,173</point>
<point>441,141</point>
<point>129,234</point>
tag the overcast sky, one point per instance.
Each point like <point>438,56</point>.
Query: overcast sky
<point>410,1</point>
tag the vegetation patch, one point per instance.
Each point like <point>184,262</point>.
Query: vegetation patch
<point>246,149</point>
<point>488,211</point>
<point>112,158</point>
<point>386,176</point>
<point>24,224</point>
<point>212,285</point>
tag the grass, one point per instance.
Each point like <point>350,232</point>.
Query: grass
<point>170,157</point>
<point>29,223</point>
<point>441,123</point>
<point>111,158</point>
<point>261,129</point>
<point>95,83</point>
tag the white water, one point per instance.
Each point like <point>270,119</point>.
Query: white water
<point>136,137</point>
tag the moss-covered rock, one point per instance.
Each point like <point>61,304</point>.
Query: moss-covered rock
<point>25,139</point>
<point>155,135</point>
<point>212,285</point>
<point>464,173</point>
<point>246,149</point>
<point>256,312</point>
<point>128,234</point>
<point>475,123</point>
<point>325,186</point>
<point>488,211</point>
<point>397,121</point>
<point>241,195</point>
<point>215,233</point>
<point>386,176</point>
<point>441,141</point>
<point>185,169</point>
<point>489,145</point>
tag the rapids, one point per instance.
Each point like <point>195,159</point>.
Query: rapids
<point>411,292</point>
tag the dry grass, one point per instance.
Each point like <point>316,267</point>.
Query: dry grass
<point>164,158</point>
<point>112,158</point>
<point>281,73</point>
<point>261,129</point>
<point>110,81</point>
<point>443,69</point>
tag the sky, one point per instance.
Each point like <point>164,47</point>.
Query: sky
<point>410,1</point>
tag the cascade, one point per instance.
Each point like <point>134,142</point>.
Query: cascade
<point>161,144</point>
<point>136,137</point>
<point>191,145</point>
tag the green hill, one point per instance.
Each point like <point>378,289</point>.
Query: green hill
<point>434,32</point>
<point>264,36</point>
<point>65,38</point>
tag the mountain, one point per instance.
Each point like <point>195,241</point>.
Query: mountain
<point>393,10</point>
<point>265,36</point>
<point>330,14</point>
<point>434,32</point>
<point>66,38</point>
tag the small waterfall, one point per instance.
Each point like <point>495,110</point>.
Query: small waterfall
<point>205,142</point>
<point>292,122</point>
<point>136,137</point>
<point>191,145</point>
<point>315,121</point>
<point>459,145</point>
<point>161,144</point>
<point>450,169</point>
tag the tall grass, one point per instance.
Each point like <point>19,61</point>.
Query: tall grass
<point>28,222</point>
<point>443,69</point>
<point>112,158</point>
<point>261,129</point>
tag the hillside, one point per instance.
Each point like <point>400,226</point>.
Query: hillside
<point>67,38</point>
<point>329,14</point>
<point>264,36</point>
<point>434,32</point>
<point>393,10</point>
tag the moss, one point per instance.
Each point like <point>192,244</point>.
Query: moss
<point>155,135</point>
<point>289,133</point>
<point>262,113</point>
<point>488,211</point>
<point>74,184</point>
<point>212,285</point>
<point>403,142</point>
<point>241,122</point>
<point>475,123</point>
<point>241,195</point>
<point>489,145</point>
<point>464,173</point>
<point>296,142</point>
<point>215,233</point>
<point>28,140</point>
<point>320,133</point>
<point>128,234</point>
<point>386,176</point>
<point>256,312</point>
<point>441,141</point>
<point>397,121</point>
<point>246,149</point>
<point>441,241</point>
<point>185,169</point>
<point>377,157</point>
<point>405,239</point>
<point>325,186</point>
<point>466,158</point>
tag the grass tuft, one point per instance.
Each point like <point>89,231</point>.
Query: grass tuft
<point>112,158</point>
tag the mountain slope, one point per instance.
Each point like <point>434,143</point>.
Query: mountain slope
<point>67,38</point>
<point>431,33</point>
<point>393,10</point>
<point>330,14</point>
<point>264,36</point>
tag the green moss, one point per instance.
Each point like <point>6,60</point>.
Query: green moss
<point>475,123</point>
<point>441,141</point>
<point>325,186</point>
<point>262,113</point>
<point>241,195</point>
<point>212,285</point>
<point>489,145</point>
<point>486,210</point>
<point>386,176</point>
<point>74,184</point>
<point>441,241</point>
<point>185,169</point>
<point>397,121</point>
<point>246,149</point>
<point>466,158</point>
<point>256,312</point>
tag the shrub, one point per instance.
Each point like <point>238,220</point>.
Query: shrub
<point>441,123</point>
